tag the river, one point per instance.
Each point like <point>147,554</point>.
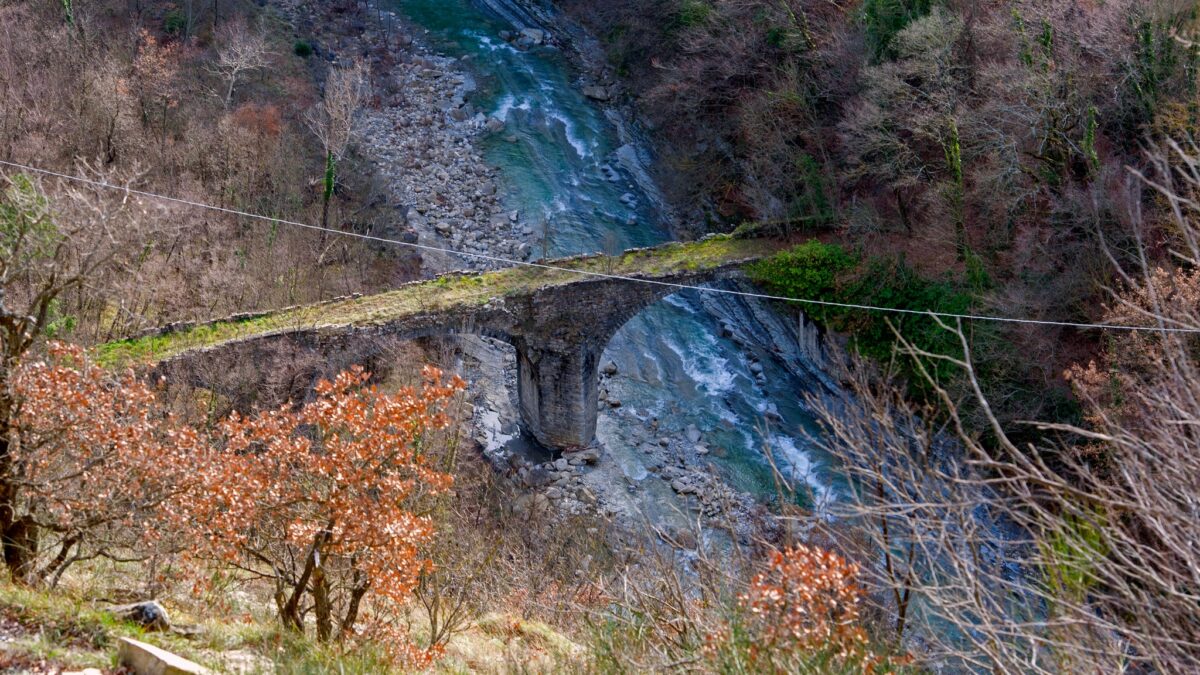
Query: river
<point>567,162</point>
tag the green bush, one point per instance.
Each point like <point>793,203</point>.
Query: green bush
<point>175,23</point>
<point>826,272</point>
<point>693,13</point>
<point>810,270</point>
<point>882,19</point>
<point>303,49</point>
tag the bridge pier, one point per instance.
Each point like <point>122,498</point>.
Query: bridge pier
<point>557,391</point>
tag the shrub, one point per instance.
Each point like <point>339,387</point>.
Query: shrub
<point>802,614</point>
<point>303,49</point>
<point>175,23</point>
<point>883,19</point>
<point>827,273</point>
<point>693,13</point>
<point>100,464</point>
<point>810,270</point>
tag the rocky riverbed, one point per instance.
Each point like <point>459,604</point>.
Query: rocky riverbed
<point>419,136</point>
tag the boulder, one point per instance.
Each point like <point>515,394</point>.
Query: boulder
<point>531,504</point>
<point>538,477</point>
<point>535,36</point>
<point>609,368</point>
<point>588,455</point>
<point>682,486</point>
<point>597,93</point>
<point>772,412</point>
<point>149,615</point>
<point>693,434</point>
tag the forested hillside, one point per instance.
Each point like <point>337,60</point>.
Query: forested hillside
<point>982,146</point>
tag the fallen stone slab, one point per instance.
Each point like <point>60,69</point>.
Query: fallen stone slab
<point>144,659</point>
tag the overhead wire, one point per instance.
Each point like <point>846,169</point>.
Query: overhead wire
<point>589,273</point>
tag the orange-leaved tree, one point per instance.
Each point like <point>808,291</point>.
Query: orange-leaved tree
<point>97,464</point>
<point>800,614</point>
<point>323,500</point>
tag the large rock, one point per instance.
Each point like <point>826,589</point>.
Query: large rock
<point>149,615</point>
<point>535,36</point>
<point>587,455</point>
<point>597,92</point>
<point>538,477</point>
<point>531,504</point>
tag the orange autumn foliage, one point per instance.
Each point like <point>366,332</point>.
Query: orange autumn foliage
<point>99,464</point>
<point>807,598</point>
<point>321,500</point>
<point>802,611</point>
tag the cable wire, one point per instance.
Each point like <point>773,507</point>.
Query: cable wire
<point>600,275</point>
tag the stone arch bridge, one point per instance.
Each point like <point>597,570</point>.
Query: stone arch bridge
<point>558,320</point>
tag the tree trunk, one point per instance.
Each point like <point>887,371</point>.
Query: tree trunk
<point>361,584</point>
<point>321,605</point>
<point>903,208</point>
<point>18,536</point>
<point>330,181</point>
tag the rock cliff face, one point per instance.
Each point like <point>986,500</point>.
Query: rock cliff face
<point>802,346</point>
<point>521,14</point>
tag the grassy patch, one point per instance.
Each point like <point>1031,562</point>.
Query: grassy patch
<point>69,630</point>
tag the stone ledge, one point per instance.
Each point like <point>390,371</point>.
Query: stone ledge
<point>144,659</point>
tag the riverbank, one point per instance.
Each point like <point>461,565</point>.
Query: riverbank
<point>419,136</point>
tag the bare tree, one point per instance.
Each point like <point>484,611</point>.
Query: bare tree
<point>333,122</point>
<point>241,50</point>
<point>1073,555</point>
<point>902,134</point>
